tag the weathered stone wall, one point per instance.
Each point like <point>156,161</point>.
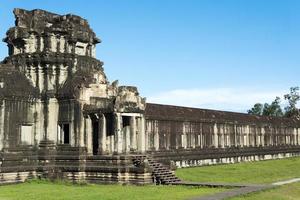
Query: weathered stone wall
<point>190,131</point>
<point>69,163</point>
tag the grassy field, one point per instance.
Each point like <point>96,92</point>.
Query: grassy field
<point>251,172</point>
<point>286,192</point>
<point>43,190</point>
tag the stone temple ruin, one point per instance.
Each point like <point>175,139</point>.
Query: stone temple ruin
<point>61,118</point>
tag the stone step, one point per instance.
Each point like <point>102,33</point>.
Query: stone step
<point>162,174</point>
<point>165,176</point>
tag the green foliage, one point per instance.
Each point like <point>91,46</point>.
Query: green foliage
<point>257,109</point>
<point>251,172</point>
<point>274,109</point>
<point>293,97</point>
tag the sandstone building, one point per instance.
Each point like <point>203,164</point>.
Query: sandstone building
<point>61,118</point>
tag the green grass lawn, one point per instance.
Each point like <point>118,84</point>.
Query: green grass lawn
<point>286,192</point>
<point>44,190</point>
<point>250,172</point>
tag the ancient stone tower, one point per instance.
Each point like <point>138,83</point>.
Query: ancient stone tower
<point>70,98</point>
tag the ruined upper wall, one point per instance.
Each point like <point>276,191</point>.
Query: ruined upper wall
<point>42,31</point>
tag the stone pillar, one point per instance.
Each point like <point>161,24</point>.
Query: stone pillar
<point>141,136</point>
<point>228,135</point>
<point>73,135</point>
<point>295,136</point>
<point>215,136</point>
<point>118,133</point>
<point>102,134</point>
<point>81,131</point>
<point>243,136</point>
<point>41,45</point>
<point>193,140</point>
<point>112,144</point>
<point>2,123</point>
<point>200,136</point>
<point>156,139</point>
<point>262,138</point>
<point>235,135</point>
<point>47,43</point>
<point>133,145</point>
<point>50,119</point>
<point>127,135</point>
<point>298,136</point>
<point>89,134</point>
<point>247,136</point>
<point>222,136</point>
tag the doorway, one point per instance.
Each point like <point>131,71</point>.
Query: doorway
<point>95,134</point>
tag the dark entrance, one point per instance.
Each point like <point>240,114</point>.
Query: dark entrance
<point>95,136</point>
<point>66,129</point>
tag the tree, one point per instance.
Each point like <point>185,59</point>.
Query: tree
<point>293,97</point>
<point>256,110</point>
<point>273,109</point>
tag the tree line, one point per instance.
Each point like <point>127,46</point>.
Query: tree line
<point>275,109</point>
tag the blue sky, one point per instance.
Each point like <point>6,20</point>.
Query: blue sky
<point>218,54</point>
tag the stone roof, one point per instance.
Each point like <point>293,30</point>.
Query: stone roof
<point>177,113</point>
<point>15,84</point>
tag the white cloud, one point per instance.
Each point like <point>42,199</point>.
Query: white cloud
<point>230,99</point>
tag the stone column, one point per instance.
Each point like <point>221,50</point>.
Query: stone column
<point>133,145</point>
<point>89,134</point>
<point>112,144</point>
<point>41,44</point>
<point>235,135</point>
<point>118,133</point>
<point>242,129</point>
<point>201,136</point>
<point>216,136</point>
<point>50,119</point>
<point>81,130</point>
<point>247,136</point>
<point>156,139</point>
<point>222,136</point>
<point>295,137</point>
<point>262,139</point>
<point>47,43</point>
<point>72,133</point>
<point>141,136</point>
<point>127,134</point>
<point>2,123</point>
<point>102,134</point>
<point>298,136</point>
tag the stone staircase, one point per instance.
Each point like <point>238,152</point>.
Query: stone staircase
<point>161,174</point>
